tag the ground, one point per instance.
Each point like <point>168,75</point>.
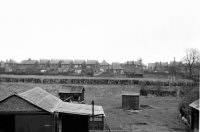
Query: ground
<point>157,114</point>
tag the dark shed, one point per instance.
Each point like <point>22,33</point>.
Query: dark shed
<point>130,101</point>
<point>71,93</point>
<point>195,116</point>
<point>38,111</point>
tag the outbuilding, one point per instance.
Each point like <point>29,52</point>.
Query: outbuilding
<point>130,101</point>
<point>194,123</point>
<point>38,111</point>
<point>69,93</point>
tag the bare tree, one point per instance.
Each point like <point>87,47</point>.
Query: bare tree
<point>191,58</point>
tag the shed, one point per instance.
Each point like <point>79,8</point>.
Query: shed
<point>130,101</point>
<point>38,111</point>
<point>71,93</point>
<point>195,116</point>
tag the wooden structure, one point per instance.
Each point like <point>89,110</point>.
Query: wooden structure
<point>38,111</point>
<point>194,123</point>
<point>130,101</point>
<point>69,93</point>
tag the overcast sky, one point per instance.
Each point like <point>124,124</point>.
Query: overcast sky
<point>117,31</point>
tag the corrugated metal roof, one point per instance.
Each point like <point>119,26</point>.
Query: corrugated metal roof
<point>50,103</point>
<point>195,104</point>
<point>41,98</point>
<point>71,89</point>
<point>81,109</point>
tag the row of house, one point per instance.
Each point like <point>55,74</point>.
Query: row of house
<point>173,67</point>
<point>76,67</point>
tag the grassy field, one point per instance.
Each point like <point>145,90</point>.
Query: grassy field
<point>158,114</point>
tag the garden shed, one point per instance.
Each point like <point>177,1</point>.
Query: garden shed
<point>69,93</point>
<point>38,111</point>
<point>130,101</point>
<point>195,116</point>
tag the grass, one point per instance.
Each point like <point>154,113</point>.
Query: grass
<point>159,114</point>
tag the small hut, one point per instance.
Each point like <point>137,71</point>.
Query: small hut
<point>130,101</point>
<point>195,116</point>
<point>72,93</point>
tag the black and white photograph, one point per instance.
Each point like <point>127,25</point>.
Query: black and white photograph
<point>99,65</point>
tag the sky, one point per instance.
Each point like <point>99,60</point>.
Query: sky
<point>111,30</point>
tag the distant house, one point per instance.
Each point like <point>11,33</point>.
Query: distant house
<point>28,65</point>
<point>194,123</point>
<point>2,66</point>
<point>117,68</point>
<point>66,66</point>
<point>104,66</point>
<point>11,65</point>
<point>92,65</point>
<point>44,64</point>
<point>72,93</point>
<point>158,67</point>
<point>78,66</point>
<point>129,68</point>
<point>54,64</point>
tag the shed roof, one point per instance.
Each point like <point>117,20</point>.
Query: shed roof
<point>42,99</point>
<point>71,89</point>
<point>82,109</point>
<point>195,105</point>
<point>29,61</point>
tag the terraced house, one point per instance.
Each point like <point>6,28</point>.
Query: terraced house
<point>78,66</point>
<point>66,66</point>
<point>44,64</point>
<point>93,65</point>
<point>28,65</point>
<point>54,64</point>
<point>104,66</point>
<point>117,68</point>
<point>11,65</point>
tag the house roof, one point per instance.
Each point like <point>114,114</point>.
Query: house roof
<point>29,61</point>
<point>71,89</point>
<point>91,62</point>
<point>43,61</point>
<point>79,62</point>
<point>104,63</point>
<point>54,61</point>
<point>117,66</point>
<point>46,101</point>
<point>11,61</point>
<point>66,62</point>
<point>195,105</point>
